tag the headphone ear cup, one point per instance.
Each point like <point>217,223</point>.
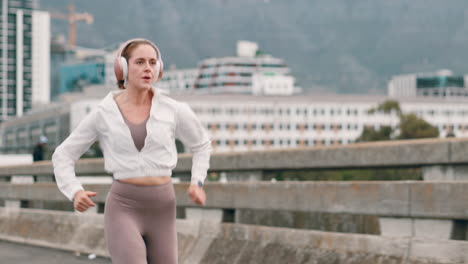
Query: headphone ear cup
<point>120,68</point>
<point>124,67</point>
<point>157,69</point>
<point>161,69</point>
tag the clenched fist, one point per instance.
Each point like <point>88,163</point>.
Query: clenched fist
<point>197,194</point>
<point>82,202</point>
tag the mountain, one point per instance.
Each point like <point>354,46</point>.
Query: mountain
<point>331,45</point>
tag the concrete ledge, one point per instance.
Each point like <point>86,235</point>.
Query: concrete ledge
<point>68,231</point>
<point>205,242</point>
<point>439,198</point>
<point>410,199</point>
<point>403,153</point>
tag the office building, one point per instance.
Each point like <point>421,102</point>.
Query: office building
<point>442,84</point>
<point>24,57</point>
<point>249,122</point>
<point>249,72</point>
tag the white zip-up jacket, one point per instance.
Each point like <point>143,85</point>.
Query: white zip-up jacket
<point>169,119</point>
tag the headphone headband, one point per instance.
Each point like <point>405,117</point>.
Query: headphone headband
<point>130,41</point>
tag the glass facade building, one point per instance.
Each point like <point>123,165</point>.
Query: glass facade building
<point>17,52</point>
<point>73,77</point>
<point>441,84</point>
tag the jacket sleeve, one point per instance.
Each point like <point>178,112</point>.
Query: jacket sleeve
<point>195,137</point>
<point>66,155</point>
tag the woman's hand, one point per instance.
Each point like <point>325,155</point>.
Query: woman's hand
<point>82,202</point>
<point>197,194</point>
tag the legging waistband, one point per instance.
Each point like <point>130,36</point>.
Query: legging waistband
<point>140,192</point>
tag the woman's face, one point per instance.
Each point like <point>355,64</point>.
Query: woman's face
<point>142,67</point>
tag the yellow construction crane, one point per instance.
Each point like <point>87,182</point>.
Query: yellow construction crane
<point>72,18</point>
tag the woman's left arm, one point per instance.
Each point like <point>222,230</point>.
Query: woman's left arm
<point>194,136</point>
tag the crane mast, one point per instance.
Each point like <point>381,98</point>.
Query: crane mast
<point>72,18</point>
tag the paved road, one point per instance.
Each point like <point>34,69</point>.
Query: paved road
<point>12,253</point>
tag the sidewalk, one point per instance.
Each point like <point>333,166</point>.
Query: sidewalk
<point>12,253</point>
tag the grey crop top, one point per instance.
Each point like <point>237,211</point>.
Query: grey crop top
<point>138,132</point>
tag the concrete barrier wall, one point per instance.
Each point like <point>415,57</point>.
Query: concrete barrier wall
<point>403,153</point>
<point>343,223</point>
<point>411,199</point>
<point>206,242</point>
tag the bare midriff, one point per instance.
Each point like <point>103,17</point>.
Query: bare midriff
<point>148,180</point>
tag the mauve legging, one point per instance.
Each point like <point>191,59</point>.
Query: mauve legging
<point>139,224</point>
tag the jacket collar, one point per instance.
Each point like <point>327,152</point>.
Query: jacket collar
<point>109,103</point>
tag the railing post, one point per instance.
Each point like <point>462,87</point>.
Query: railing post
<point>219,215</point>
<point>15,179</point>
<point>250,176</point>
<point>215,215</point>
<point>445,173</point>
<point>235,215</point>
<point>445,229</point>
<point>45,178</point>
<point>3,180</point>
<point>413,227</point>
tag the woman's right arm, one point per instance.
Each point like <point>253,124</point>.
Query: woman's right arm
<point>66,155</point>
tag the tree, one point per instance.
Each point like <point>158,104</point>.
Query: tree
<point>387,107</point>
<point>371,134</point>
<point>410,126</point>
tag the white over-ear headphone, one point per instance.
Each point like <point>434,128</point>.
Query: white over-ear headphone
<point>121,65</point>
